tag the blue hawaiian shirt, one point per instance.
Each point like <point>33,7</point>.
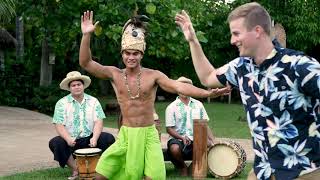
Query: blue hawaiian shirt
<point>281,100</point>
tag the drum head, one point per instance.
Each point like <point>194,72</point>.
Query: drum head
<point>222,160</point>
<point>87,151</point>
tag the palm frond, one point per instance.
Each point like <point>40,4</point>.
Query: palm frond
<point>7,10</point>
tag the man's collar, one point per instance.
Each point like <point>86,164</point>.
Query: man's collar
<point>71,99</point>
<point>191,100</point>
<point>272,54</point>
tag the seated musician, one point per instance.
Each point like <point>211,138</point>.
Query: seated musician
<point>179,123</point>
<point>78,120</point>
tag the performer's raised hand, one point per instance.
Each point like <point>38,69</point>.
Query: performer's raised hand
<point>87,25</point>
<point>183,20</point>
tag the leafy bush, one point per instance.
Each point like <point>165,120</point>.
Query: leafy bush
<point>16,87</point>
<point>45,98</point>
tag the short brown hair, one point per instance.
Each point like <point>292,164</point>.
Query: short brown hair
<point>254,14</point>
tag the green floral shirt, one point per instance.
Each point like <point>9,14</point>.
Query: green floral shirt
<point>180,116</point>
<point>78,118</point>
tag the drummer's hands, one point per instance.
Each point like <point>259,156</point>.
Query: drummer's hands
<point>183,20</point>
<point>210,143</point>
<point>93,142</point>
<point>71,142</point>
<point>87,25</point>
<point>186,140</point>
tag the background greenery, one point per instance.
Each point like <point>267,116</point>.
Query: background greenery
<point>53,27</point>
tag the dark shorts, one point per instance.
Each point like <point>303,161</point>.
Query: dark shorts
<point>62,151</point>
<point>186,150</point>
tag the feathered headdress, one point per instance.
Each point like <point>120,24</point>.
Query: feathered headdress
<point>133,33</point>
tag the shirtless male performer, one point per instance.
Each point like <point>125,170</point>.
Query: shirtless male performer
<point>137,153</point>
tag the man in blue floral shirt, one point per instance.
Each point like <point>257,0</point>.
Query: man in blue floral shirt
<point>280,90</point>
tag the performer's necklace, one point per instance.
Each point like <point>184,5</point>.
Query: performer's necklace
<point>127,84</point>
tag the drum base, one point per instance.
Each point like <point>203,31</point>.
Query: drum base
<point>194,177</point>
<point>90,176</point>
<point>86,160</point>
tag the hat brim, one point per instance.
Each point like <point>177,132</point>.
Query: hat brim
<point>65,82</point>
<point>184,80</point>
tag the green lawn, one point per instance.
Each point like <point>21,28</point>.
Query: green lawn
<point>226,120</point>
<point>61,174</point>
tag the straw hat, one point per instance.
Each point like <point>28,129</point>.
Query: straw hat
<point>72,76</point>
<point>133,34</point>
<point>278,32</point>
<point>184,80</point>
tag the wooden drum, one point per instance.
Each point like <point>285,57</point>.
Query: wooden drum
<point>226,159</point>
<point>87,160</point>
<point>199,156</point>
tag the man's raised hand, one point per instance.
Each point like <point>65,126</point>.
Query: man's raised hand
<point>87,25</point>
<point>183,20</point>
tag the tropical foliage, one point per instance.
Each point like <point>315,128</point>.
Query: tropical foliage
<point>53,27</point>
<point>7,10</point>
<point>59,21</point>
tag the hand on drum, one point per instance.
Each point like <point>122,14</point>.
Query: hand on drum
<point>210,143</point>
<point>186,141</point>
<point>71,142</point>
<point>93,142</point>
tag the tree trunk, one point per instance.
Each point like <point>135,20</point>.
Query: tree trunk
<point>46,68</point>
<point>2,67</point>
<point>20,39</point>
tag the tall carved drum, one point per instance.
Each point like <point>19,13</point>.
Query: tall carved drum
<point>199,156</point>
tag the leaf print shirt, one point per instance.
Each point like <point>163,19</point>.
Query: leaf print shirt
<point>281,99</point>
<point>78,118</point>
<point>180,116</point>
